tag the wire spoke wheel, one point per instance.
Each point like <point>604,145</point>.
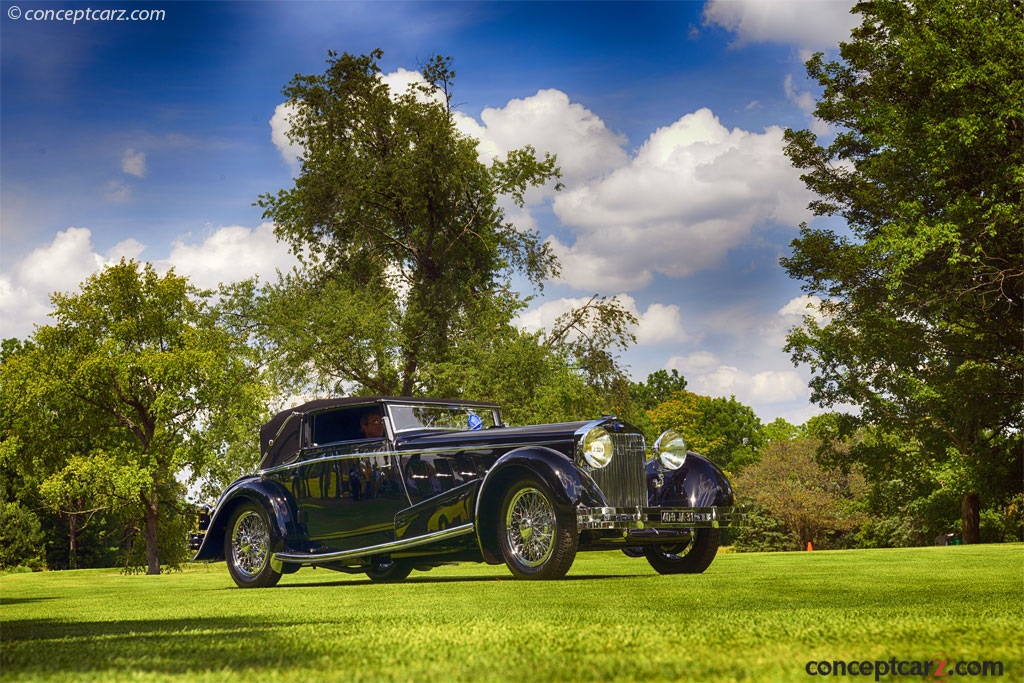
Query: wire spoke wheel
<point>530,525</point>
<point>248,549</point>
<point>536,539</point>
<point>250,544</point>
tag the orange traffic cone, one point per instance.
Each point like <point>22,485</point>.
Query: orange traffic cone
<point>809,546</point>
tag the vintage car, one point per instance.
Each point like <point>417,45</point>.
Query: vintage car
<point>383,486</point>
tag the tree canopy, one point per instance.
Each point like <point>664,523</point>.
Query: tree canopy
<point>131,394</point>
<point>922,313</point>
<point>400,227</point>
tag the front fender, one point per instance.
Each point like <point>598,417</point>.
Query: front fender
<point>273,498</point>
<point>698,483</point>
<point>569,485</point>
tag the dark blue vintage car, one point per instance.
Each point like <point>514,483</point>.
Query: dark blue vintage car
<point>383,486</point>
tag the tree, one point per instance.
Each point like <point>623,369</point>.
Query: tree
<point>815,504</point>
<point>723,429</point>
<point>399,227</point>
<point>131,391</point>
<point>922,323</point>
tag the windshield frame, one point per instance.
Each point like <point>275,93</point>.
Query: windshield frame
<point>402,416</point>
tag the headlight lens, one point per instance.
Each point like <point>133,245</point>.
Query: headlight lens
<point>597,448</point>
<point>670,449</point>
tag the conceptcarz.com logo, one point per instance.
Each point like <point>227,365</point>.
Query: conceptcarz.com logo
<point>937,668</point>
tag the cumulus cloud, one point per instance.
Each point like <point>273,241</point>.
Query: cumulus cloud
<point>706,374</point>
<point>60,266</point>
<point>808,24</point>
<point>134,163</point>
<point>694,190</point>
<point>280,124</point>
<point>230,254</point>
<point>658,324</point>
<point>227,254</point>
<point>551,123</point>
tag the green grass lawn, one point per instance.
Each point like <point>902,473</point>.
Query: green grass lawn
<point>751,617</point>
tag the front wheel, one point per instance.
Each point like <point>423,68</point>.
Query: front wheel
<point>536,540</point>
<point>685,558</point>
<point>247,548</point>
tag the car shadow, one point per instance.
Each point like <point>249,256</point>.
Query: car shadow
<point>363,581</point>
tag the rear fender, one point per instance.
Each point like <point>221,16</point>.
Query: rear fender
<point>271,496</point>
<point>570,486</point>
<point>698,483</point>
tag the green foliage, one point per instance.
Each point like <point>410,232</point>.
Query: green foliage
<point>923,298</point>
<point>21,537</point>
<point>133,386</point>
<point>815,504</point>
<point>398,225</point>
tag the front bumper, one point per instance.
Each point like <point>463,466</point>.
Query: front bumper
<point>659,518</point>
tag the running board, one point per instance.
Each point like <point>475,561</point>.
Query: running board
<point>279,559</point>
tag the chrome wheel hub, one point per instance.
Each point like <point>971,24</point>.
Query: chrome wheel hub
<point>530,527</point>
<point>250,543</point>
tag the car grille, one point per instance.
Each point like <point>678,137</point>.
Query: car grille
<point>623,481</point>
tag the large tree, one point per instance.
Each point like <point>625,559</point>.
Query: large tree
<point>135,390</point>
<point>923,291</point>
<point>403,238</point>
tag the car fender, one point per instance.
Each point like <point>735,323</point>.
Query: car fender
<point>570,485</point>
<point>698,483</point>
<point>271,496</point>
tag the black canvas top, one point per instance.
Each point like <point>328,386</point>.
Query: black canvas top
<point>280,438</point>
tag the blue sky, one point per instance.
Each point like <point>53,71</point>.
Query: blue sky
<point>152,139</point>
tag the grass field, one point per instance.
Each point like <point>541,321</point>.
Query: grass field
<point>751,617</point>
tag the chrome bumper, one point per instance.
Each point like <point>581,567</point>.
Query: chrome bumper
<point>659,518</point>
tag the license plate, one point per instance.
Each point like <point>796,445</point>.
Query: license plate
<point>677,516</point>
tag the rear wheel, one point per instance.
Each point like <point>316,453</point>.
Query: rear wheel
<point>685,558</point>
<point>247,548</point>
<point>386,570</point>
<point>536,540</point>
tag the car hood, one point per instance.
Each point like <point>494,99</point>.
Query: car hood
<point>548,434</point>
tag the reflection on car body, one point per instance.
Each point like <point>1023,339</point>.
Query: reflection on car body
<point>385,486</point>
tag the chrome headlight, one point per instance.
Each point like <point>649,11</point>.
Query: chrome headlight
<point>597,448</point>
<point>670,449</point>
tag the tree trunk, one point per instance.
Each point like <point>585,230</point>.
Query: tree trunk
<point>970,519</point>
<point>152,507</point>
<point>72,543</point>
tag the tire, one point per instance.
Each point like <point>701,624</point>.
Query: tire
<point>248,545</point>
<point>389,571</point>
<point>685,558</point>
<point>536,540</point>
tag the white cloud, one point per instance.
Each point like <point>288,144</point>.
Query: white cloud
<point>694,190</point>
<point>230,254</point>
<point>585,147</point>
<point>659,324</point>
<point>227,254</point>
<point>117,192</point>
<point>60,266</point>
<point>134,163</point>
<point>706,374</point>
<point>280,124</point>
<point>808,24</point>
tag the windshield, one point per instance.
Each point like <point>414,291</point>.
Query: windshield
<point>405,418</point>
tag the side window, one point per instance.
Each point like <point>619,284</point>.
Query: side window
<point>346,425</point>
<point>335,426</point>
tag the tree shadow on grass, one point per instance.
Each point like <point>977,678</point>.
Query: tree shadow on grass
<point>37,647</point>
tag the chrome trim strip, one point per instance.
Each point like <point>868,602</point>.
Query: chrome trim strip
<point>439,450</point>
<point>380,549</point>
<point>652,518</point>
